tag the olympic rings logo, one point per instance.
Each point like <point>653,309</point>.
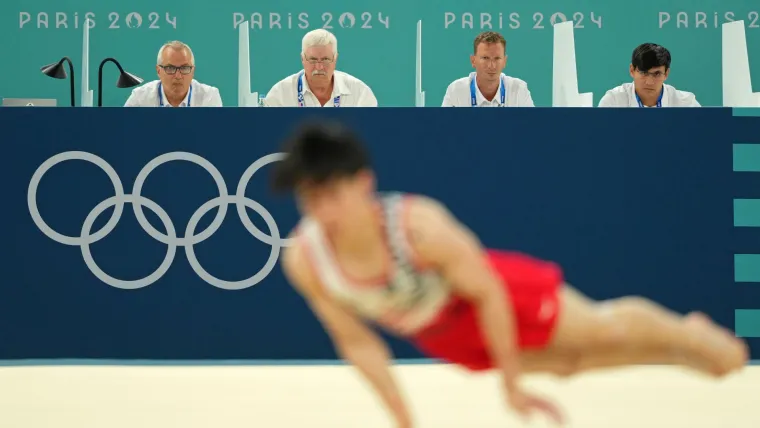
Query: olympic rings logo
<point>170,238</point>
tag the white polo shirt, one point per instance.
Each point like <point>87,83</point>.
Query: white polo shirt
<point>459,93</point>
<point>348,91</point>
<point>199,95</point>
<point>625,96</point>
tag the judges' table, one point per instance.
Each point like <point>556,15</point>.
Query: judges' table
<point>151,233</point>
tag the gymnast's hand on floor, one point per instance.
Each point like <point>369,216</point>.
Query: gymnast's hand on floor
<point>525,404</point>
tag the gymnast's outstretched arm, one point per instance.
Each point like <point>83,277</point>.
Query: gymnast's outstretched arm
<point>353,340</point>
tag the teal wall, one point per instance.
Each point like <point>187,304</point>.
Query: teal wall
<point>384,55</point>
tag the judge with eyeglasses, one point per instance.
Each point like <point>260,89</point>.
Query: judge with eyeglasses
<point>649,68</point>
<point>176,85</point>
<point>319,84</point>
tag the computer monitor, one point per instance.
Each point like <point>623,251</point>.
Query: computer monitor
<point>29,102</point>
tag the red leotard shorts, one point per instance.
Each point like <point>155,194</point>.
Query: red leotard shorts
<point>533,288</point>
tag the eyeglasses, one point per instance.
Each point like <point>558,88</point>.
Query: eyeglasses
<point>171,69</point>
<point>657,75</point>
<point>323,61</point>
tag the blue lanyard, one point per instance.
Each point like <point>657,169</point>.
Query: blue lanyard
<point>161,95</point>
<point>336,100</point>
<point>502,89</point>
<point>659,100</point>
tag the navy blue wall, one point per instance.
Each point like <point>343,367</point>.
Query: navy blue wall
<point>629,201</point>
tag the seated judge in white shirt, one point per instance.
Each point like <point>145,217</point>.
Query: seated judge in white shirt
<point>176,86</point>
<point>319,84</point>
<point>487,86</point>
<point>650,66</point>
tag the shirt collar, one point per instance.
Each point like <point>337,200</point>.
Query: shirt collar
<point>479,96</point>
<point>183,103</point>
<point>339,85</point>
<point>635,102</point>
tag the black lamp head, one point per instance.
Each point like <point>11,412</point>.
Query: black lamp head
<point>127,80</point>
<point>54,70</point>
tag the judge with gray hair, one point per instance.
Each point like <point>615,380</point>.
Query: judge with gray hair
<point>319,84</point>
<point>176,85</point>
